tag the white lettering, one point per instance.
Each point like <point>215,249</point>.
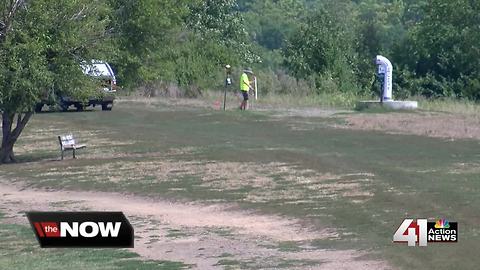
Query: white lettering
<point>92,233</point>
<point>108,229</point>
<point>72,230</point>
<point>446,237</point>
<point>90,229</point>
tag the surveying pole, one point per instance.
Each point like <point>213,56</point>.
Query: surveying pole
<point>228,82</point>
<point>256,87</point>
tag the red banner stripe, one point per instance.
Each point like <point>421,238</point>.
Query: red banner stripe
<point>39,229</point>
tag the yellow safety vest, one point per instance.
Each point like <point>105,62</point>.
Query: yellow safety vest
<point>244,83</point>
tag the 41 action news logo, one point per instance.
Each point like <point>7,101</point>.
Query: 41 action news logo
<point>421,232</point>
<point>81,229</point>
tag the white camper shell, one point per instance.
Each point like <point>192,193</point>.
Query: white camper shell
<point>101,70</point>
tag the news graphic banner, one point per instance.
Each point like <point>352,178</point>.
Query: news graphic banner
<point>422,231</point>
<point>82,229</point>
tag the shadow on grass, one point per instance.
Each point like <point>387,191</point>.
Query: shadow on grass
<point>68,111</point>
<point>35,158</point>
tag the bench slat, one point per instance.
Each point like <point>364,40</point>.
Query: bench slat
<point>70,147</point>
<point>67,143</point>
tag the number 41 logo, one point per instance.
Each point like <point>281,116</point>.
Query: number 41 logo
<point>412,232</point>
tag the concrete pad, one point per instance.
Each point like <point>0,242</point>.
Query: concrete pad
<point>394,105</point>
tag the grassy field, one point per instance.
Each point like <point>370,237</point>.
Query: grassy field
<point>361,183</point>
<point>18,250</point>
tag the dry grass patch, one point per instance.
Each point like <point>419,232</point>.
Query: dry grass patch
<point>258,182</point>
<point>439,125</point>
<point>465,168</point>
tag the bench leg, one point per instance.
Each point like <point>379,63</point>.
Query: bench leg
<point>74,153</point>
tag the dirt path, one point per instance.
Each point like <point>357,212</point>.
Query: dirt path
<point>196,234</point>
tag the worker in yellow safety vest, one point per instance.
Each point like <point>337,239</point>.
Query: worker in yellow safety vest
<point>245,87</point>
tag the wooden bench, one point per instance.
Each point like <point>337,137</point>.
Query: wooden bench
<point>67,143</point>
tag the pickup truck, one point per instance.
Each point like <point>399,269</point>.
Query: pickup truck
<point>107,83</point>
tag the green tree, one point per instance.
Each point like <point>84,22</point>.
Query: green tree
<point>42,44</point>
<point>325,46</point>
<point>380,26</point>
<point>181,42</point>
<point>145,34</point>
<point>271,22</point>
<point>221,22</point>
<point>443,49</point>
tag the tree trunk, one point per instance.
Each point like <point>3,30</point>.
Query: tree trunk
<point>10,136</point>
<point>6,154</point>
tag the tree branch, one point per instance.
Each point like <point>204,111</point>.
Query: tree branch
<point>7,22</point>
<point>19,119</point>
<point>79,14</point>
<point>21,123</point>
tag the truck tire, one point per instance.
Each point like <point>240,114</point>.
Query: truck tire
<point>79,107</point>
<point>38,107</point>
<point>106,107</point>
<point>64,107</point>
